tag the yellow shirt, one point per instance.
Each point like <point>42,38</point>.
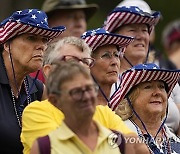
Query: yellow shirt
<point>63,141</point>
<point>40,118</point>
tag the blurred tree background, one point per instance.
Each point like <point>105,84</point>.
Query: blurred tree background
<point>170,10</point>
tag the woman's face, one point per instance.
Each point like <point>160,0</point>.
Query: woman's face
<point>151,99</point>
<point>27,51</point>
<point>107,64</point>
<point>138,48</point>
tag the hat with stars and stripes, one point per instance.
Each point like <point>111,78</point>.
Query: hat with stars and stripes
<point>124,15</point>
<point>143,73</point>
<point>99,37</point>
<point>28,21</point>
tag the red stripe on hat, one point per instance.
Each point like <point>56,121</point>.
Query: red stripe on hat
<point>44,32</point>
<point>132,78</point>
<point>145,20</point>
<point>136,19</point>
<point>131,19</point>
<point>13,32</point>
<point>152,75</point>
<point>157,76</point>
<point>88,40</point>
<point>103,40</point>
<point>125,18</point>
<point>171,81</point>
<point>140,19</point>
<point>25,29</point>
<point>9,29</point>
<point>97,42</point>
<point>114,24</point>
<point>117,96</point>
<point>113,20</point>
<point>112,40</point>
<point>92,40</point>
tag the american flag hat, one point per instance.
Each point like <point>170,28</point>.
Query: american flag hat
<point>130,15</point>
<point>28,21</point>
<point>142,73</point>
<point>99,37</point>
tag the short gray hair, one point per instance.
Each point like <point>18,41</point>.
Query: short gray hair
<point>53,50</point>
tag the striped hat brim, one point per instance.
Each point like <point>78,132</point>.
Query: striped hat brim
<point>121,17</point>
<point>13,28</point>
<point>100,39</point>
<point>131,78</point>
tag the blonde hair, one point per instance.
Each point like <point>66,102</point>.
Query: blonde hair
<point>123,109</point>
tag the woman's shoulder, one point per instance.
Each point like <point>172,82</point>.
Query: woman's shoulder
<point>131,125</point>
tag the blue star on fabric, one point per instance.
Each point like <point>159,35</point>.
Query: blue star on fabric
<point>145,66</point>
<point>32,17</point>
<point>94,32</point>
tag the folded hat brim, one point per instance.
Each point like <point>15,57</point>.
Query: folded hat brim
<point>13,28</point>
<point>100,39</point>
<point>120,17</point>
<point>130,78</point>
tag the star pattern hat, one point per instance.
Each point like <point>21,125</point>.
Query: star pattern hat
<point>28,21</point>
<point>142,73</point>
<point>99,37</point>
<point>130,15</point>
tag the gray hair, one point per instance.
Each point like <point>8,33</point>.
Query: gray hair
<point>53,50</point>
<point>62,72</point>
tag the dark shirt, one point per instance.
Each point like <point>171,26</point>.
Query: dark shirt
<point>9,127</point>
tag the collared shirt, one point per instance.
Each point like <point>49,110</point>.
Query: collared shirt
<point>9,127</point>
<point>172,139</point>
<point>40,118</point>
<point>64,140</point>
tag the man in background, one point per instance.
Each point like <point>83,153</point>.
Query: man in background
<point>73,14</point>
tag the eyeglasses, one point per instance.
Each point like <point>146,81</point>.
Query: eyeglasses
<point>87,61</point>
<point>108,55</point>
<point>77,93</point>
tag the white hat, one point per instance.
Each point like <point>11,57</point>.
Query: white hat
<point>139,3</point>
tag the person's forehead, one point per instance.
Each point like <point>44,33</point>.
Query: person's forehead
<point>76,81</point>
<point>151,82</point>
<point>71,49</point>
<point>105,48</point>
<point>134,25</point>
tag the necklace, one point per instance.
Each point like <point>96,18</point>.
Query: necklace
<point>18,116</point>
<point>165,140</point>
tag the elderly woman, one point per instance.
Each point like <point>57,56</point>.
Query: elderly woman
<point>141,21</point>
<point>132,21</point>
<point>72,90</point>
<point>23,40</point>
<point>142,100</point>
<point>107,50</point>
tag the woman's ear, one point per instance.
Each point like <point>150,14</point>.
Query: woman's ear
<point>54,100</point>
<point>46,69</point>
<point>6,46</point>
